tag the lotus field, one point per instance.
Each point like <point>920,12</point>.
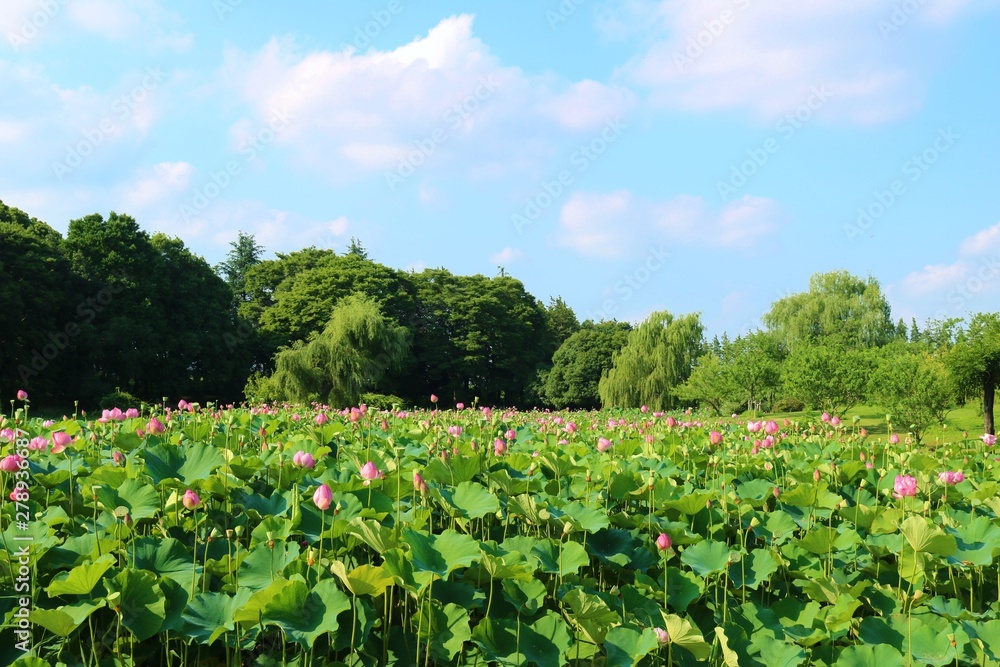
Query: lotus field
<point>310,536</point>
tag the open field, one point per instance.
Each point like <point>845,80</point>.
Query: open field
<point>315,537</point>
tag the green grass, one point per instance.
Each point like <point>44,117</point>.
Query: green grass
<point>966,418</point>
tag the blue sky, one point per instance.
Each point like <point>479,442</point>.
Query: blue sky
<point>627,155</point>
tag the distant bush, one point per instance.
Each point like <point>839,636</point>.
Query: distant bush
<point>788,405</point>
<point>118,399</point>
<point>382,401</point>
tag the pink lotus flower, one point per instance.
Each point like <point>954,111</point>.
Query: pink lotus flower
<point>38,443</point>
<point>321,419</point>
<point>863,433</point>
<point>571,427</point>
<point>644,408</point>
<point>989,439</point>
<point>817,475</point>
<point>460,406</point>
<point>182,404</point>
<point>296,417</point>
<point>487,412</point>
<point>825,417</point>
<point>419,485</point>
<point>355,415</point>
<point>671,422</point>
<point>60,441</point>
<point>905,485</point>
<point>370,472</point>
<point>155,426</point>
<point>7,435</point>
<point>131,413</point>
<point>22,395</point>
<point>662,636</point>
<point>113,415</point>
<point>754,427</point>
<point>10,463</point>
<point>323,497</point>
<point>511,434</point>
<point>950,477</point>
<point>834,421</point>
<point>117,457</point>
<point>190,500</point>
<point>776,492</point>
<point>434,398</point>
<point>499,447</point>
<point>771,427</point>
<point>663,542</point>
<point>603,444</point>
<point>454,431</point>
<point>894,439</point>
<point>715,438</point>
<point>304,460</point>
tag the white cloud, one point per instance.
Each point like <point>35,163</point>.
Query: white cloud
<point>437,100</point>
<point>988,240</point>
<point>73,134</point>
<point>765,57</point>
<point>506,256</point>
<point>25,23</point>
<point>612,225</point>
<point>970,283</point>
<point>152,186</point>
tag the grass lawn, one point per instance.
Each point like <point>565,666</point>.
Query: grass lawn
<point>966,418</point>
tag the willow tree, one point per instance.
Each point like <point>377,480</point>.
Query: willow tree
<point>974,363</point>
<point>658,356</point>
<point>839,310</point>
<point>355,350</point>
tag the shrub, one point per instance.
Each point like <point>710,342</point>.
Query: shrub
<point>788,404</point>
<point>382,401</point>
<point>118,399</point>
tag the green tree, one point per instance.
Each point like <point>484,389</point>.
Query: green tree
<point>657,357</point>
<point>753,366</point>
<point>913,386</point>
<point>38,325</point>
<point>244,254</point>
<point>358,346</point>
<point>709,384</point>
<point>833,379</point>
<point>974,363</point>
<point>839,310</point>
<point>581,361</point>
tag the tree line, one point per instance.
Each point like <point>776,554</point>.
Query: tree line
<point>110,313</point>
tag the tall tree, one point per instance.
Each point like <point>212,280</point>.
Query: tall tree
<point>358,346</point>
<point>974,363</point>
<point>581,361</point>
<point>658,356</point>
<point>39,330</point>
<point>913,386</point>
<point>753,365</point>
<point>830,378</point>
<point>710,384</point>
<point>244,254</point>
<point>838,310</point>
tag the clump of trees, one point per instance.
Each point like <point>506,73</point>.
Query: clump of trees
<point>111,308</point>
